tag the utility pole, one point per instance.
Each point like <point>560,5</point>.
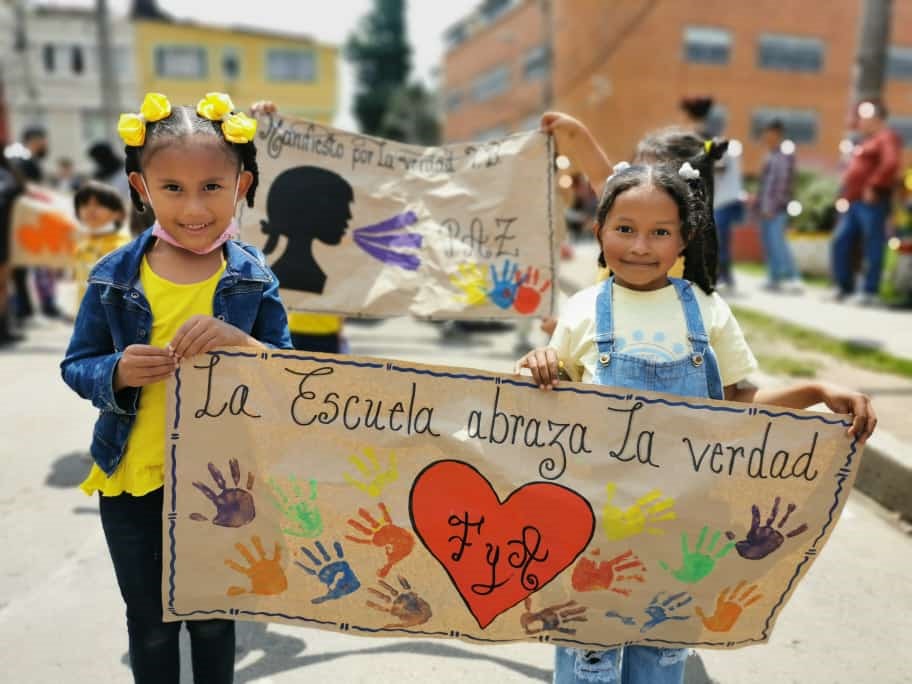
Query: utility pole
<point>547,10</point>
<point>110,90</point>
<point>871,56</point>
<point>21,46</point>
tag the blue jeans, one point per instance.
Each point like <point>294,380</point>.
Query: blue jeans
<point>726,216</point>
<point>780,264</point>
<point>133,529</point>
<point>868,223</point>
<point>628,665</point>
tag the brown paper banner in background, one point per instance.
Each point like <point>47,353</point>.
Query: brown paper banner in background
<point>42,229</point>
<point>362,226</point>
<point>387,498</point>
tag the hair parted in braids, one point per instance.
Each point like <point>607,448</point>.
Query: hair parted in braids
<point>182,123</point>
<point>678,145</point>
<point>695,214</point>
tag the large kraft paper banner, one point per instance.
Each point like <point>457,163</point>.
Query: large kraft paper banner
<point>42,229</point>
<point>363,226</point>
<point>385,498</point>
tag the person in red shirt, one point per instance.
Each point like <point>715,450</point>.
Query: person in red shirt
<point>866,184</point>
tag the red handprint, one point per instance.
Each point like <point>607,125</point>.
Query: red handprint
<point>529,294</point>
<point>591,576</point>
<point>396,541</point>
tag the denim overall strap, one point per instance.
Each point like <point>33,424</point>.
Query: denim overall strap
<point>604,321</point>
<point>699,341</point>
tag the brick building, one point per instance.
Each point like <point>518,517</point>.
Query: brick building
<point>623,66</point>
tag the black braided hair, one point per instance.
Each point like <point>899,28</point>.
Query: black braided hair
<point>692,210</point>
<point>182,122</point>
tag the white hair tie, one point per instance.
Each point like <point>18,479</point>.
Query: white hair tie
<point>687,172</point>
<point>620,167</point>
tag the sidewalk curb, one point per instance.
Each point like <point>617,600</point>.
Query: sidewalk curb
<point>885,475</point>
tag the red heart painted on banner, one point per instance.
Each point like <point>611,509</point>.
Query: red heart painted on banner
<point>497,552</point>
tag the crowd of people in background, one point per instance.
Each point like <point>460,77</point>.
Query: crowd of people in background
<point>858,245</point>
<point>23,164</point>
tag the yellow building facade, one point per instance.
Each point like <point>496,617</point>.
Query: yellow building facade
<point>186,60</point>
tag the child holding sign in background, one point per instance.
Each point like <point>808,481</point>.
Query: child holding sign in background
<point>641,329</point>
<point>101,213</point>
<point>182,288</point>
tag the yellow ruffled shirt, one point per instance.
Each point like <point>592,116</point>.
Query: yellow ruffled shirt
<point>89,250</point>
<point>142,468</point>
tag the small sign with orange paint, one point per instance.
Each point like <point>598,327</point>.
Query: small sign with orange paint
<point>42,229</point>
<point>385,498</point>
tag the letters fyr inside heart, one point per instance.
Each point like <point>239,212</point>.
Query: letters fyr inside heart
<point>496,552</point>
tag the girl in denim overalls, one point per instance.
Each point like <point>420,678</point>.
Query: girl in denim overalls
<point>647,217</point>
<point>180,289</point>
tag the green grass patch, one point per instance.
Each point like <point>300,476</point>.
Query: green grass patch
<point>786,365</point>
<point>758,325</point>
<point>753,268</point>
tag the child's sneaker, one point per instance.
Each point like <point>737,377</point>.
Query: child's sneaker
<point>793,286</point>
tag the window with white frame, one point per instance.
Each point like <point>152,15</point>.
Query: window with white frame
<point>899,62</point>
<point>94,125</point>
<point>291,65</point>
<point>801,125</point>
<point>453,100</point>
<point>707,45</point>
<point>180,61</point>
<point>535,63</point>
<point>903,126</point>
<point>491,84</point>
<point>789,53</point>
<point>231,63</point>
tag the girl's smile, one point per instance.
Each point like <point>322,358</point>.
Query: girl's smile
<point>193,189</point>
<point>641,237</point>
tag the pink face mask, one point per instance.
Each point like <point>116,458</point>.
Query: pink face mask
<point>232,231</point>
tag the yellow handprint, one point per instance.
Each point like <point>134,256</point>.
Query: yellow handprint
<point>620,524</point>
<point>473,281</point>
<point>375,479</point>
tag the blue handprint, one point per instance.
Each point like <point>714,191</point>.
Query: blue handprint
<point>336,575</point>
<point>660,611</point>
<point>505,287</point>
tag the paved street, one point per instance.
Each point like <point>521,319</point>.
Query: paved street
<point>61,618</point>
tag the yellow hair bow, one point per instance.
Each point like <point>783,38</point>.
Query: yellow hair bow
<point>132,127</point>
<point>236,127</point>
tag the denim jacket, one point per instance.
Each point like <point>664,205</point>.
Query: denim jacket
<point>115,314</point>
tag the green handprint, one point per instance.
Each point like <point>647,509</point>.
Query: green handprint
<point>301,514</point>
<point>695,565</point>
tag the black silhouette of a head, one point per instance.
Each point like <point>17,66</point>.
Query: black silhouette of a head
<point>307,203</point>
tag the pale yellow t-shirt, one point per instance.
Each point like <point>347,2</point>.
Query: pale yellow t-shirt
<point>650,325</point>
<point>142,468</point>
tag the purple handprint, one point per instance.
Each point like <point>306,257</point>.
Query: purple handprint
<point>762,541</point>
<point>505,287</point>
<point>233,506</point>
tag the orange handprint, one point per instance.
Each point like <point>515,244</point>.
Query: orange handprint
<point>729,607</point>
<point>397,541</point>
<point>529,294</point>
<point>591,576</point>
<point>266,575</point>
